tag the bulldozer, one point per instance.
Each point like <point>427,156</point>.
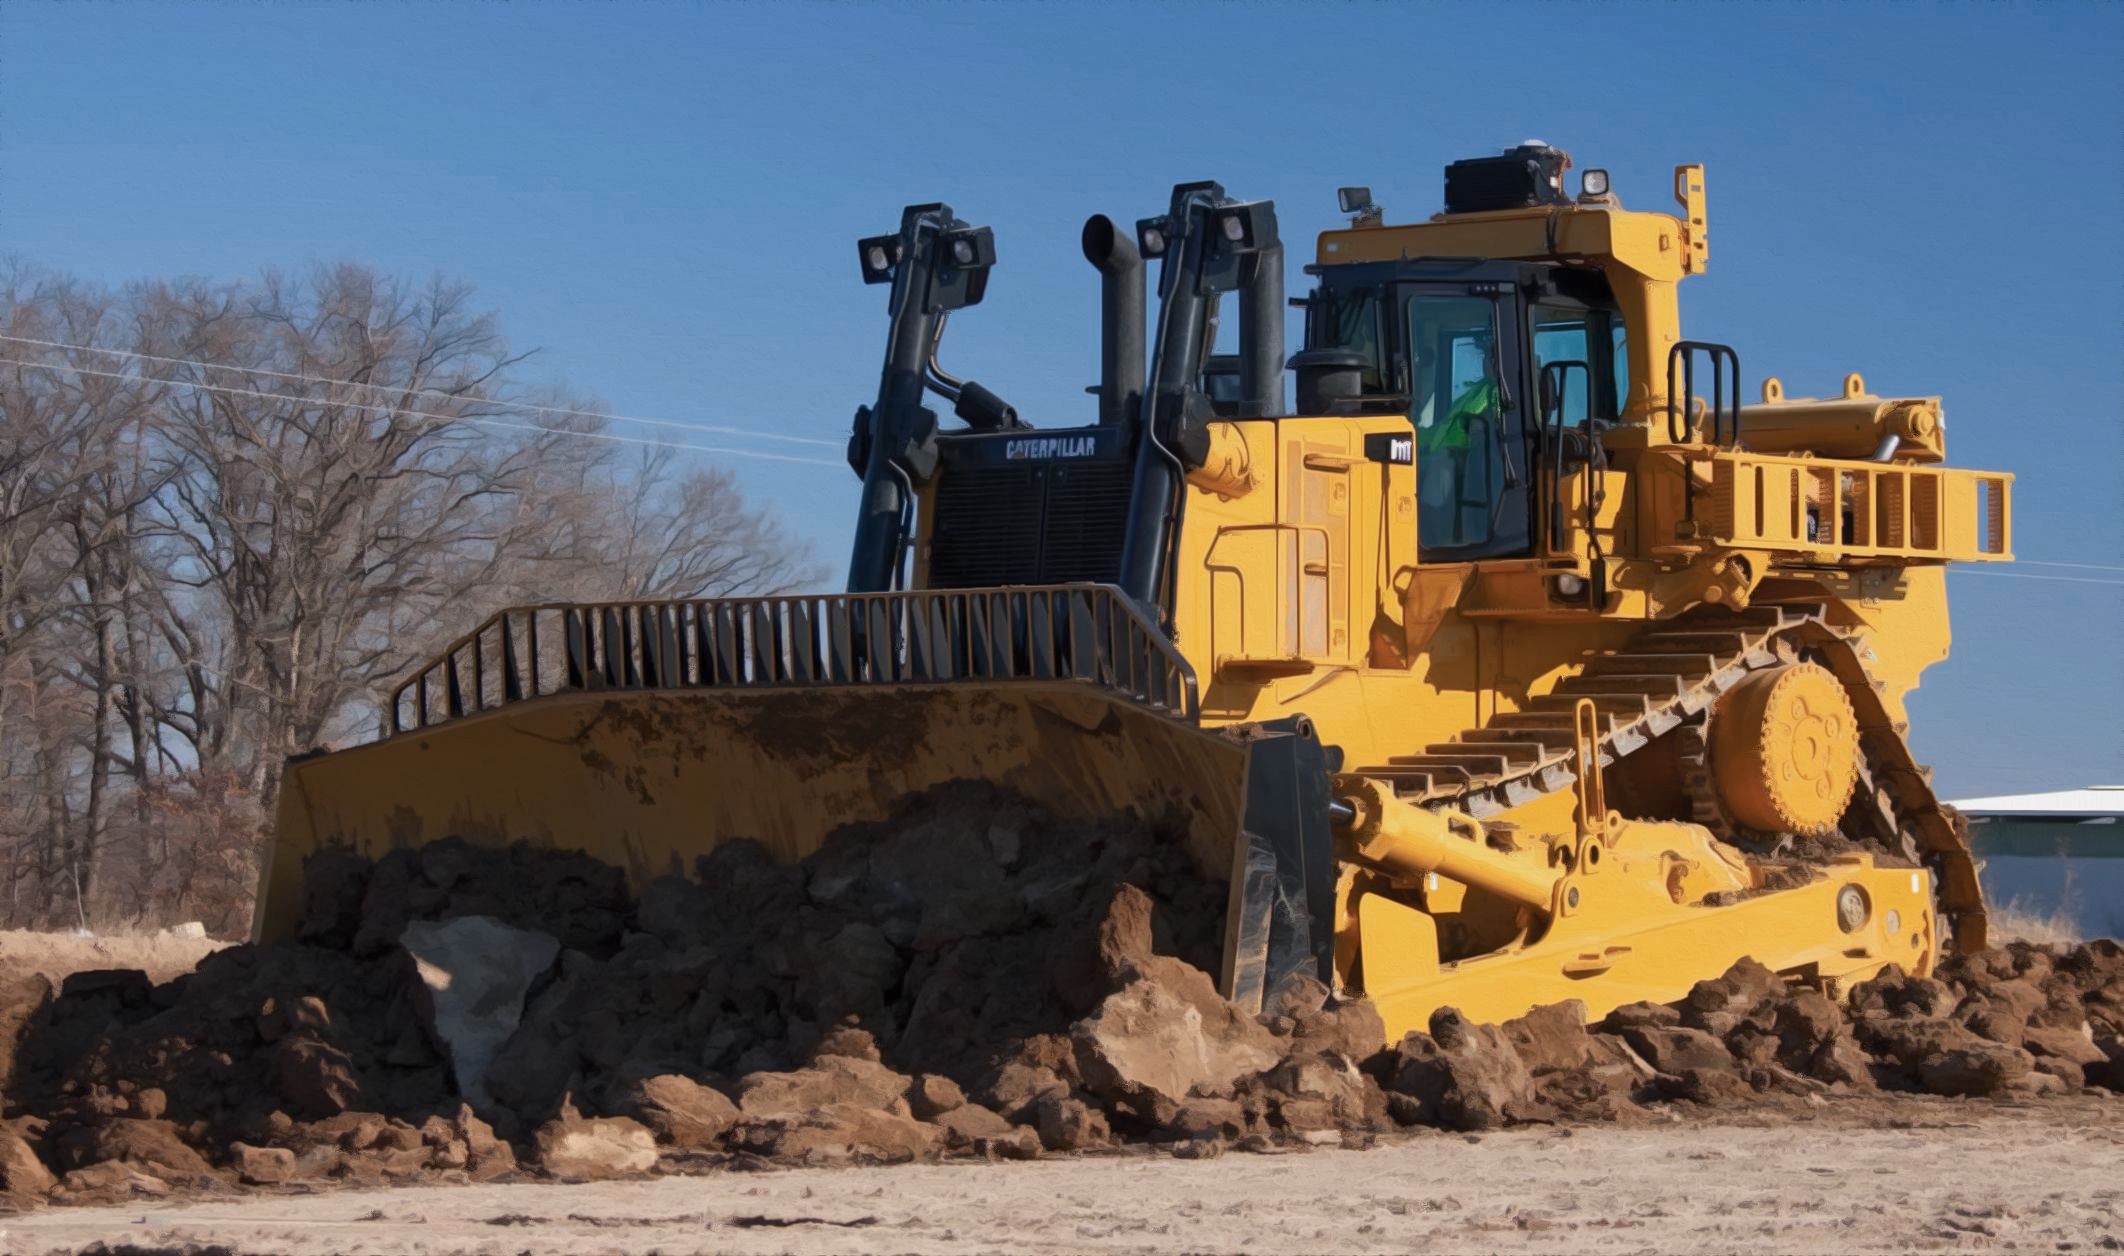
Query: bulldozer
<point>1518,661</point>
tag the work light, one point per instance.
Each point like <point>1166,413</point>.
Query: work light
<point>1152,235</point>
<point>879,254</point>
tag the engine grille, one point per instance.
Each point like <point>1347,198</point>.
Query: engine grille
<point>1029,523</point>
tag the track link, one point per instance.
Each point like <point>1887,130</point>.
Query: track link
<point>1663,683</point>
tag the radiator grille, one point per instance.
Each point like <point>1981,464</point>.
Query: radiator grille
<point>1029,523</point>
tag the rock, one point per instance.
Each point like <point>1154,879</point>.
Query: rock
<point>932,1095</point>
<point>1977,1068</point>
<point>23,1177</point>
<point>1677,1049</point>
<point>681,1111</point>
<point>472,974</point>
<point>20,999</point>
<point>1348,1026</point>
<point>830,1080</point>
<point>839,1133</point>
<point>487,1156</point>
<point>2076,1045</point>
<point>575,1148</point>
<point>1067,1124</point>
<point>1712,1087</point>
<point>150,1102</point>
<point>1718,1004</point>
<point>850,1042</point>
<point>1911,1042</point>
<point>153,1147</point>
<point>1198,1119</point>
<point>1639,1016</point>
<point>1021,1143</point>
<point>315,1077</point>
<point>262,1166</point>
<point>1896,993</point>
<point>1100,946</point>
<point>108,1181</point>
<point>1552,1037</point>
<point>1168,1034</point>
<point>1463,1076</point>
<point>967,1124</point>
<point>1300,995</point>
<point>1840,1060</point>
<point>1017,1085</point>
<point>1325,1092</point>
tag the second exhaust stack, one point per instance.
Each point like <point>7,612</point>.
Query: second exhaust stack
<point>1121,344</point>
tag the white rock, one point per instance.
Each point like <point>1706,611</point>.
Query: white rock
<point>474,972</point>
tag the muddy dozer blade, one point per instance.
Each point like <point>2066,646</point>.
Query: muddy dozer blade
<point>649,780</point>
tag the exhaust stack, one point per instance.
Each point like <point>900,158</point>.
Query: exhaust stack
<point>1121,341</point>
<point>1261,335</point>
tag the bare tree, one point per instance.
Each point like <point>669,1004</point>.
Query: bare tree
<point>221,554</point>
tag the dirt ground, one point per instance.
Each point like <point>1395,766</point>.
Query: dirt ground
<point>1912,1174</point>
<point>161,956</point>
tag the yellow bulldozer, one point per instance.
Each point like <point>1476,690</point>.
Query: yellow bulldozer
<point>1519,661</point>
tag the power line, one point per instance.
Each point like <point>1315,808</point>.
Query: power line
<point>2029,575</point>
<point>2030,562</point>
<point>721,429</point>
<point>422,414</point>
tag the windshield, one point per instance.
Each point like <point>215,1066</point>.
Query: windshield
<point>1350,321</point>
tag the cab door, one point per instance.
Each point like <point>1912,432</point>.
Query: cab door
<point>1474,429</point>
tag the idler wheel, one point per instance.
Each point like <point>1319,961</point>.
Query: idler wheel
<point>1784,750</point>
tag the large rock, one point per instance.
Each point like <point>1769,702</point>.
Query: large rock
<point>262,1166</point>
<point>575,1148</point>
<point>1719,1004</point>
<point>1100,945</point>
<point>1324,1091</point>
<point>152,1147</point>
<point>840,1133</point>
<point>829,1080</point>
<point>1461,1075</point>
<point>1067,1124</point>
<point>1167,1035</point>
<point>681,1111</point>
<point>314,1076</point>
<point>23,1177</point>
<point>1978,1068</point>
<point>1677,1049</point>
<point>472,975</point>
<point>1551,1038</point>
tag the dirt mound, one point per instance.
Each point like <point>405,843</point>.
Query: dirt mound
<point>974,977</point>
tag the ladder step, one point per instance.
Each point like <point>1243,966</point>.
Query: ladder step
<point>1654,685</point>
<point>1544,738</point>
<point>1722,644</point>
<point>1619,706</point>
<point>1632,664</point>
<point>1517,753</point>
<point>1447,767</point>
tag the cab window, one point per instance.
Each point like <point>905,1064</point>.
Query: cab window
<point>1470,442</point>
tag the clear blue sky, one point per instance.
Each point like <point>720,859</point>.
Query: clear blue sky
<point>664,199</point>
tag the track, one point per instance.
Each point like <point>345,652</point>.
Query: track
<point>1663,683</point>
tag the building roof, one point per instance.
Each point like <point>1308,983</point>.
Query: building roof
<point>2065,804</point>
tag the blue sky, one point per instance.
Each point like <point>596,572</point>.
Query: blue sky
<point>663,199</point>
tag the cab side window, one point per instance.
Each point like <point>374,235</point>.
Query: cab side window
<point>1471,452</point>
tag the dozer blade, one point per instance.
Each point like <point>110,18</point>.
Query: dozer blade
<point>649,779</point>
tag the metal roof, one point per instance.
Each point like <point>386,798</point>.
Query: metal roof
<point>2064,804</point>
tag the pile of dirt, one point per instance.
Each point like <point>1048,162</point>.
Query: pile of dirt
<point>974,977</point>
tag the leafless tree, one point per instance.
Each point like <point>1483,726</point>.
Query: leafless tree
<point>221,553</point>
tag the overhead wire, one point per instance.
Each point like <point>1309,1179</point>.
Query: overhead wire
<point>675,423</point>
<point>716,428</point>
<point>423,414</point>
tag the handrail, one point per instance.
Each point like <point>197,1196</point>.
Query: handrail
<point>1088,633</point>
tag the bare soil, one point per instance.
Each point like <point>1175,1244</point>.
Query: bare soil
<point>1912,1173</point>
<point>54,955</point>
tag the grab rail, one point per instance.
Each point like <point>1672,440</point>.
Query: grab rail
<point>1088,633</point>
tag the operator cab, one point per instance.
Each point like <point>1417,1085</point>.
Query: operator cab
<point>1462,349</point>
<point>1499,366</point>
